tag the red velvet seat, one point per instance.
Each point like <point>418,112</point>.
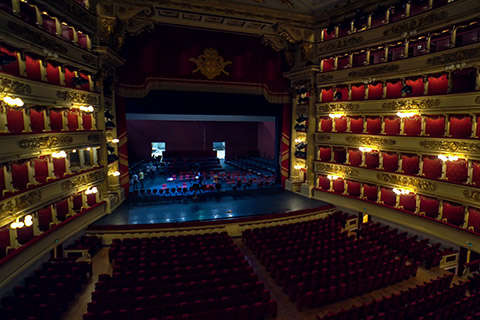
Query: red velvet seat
<point>341,124</point>
<point>410,164</point>
<point>390,161</point>
<point>20,175</point>
<point>323,182</point>
<point>353,188</point>
<point>432,167</point>
<point>338,185</point>
<point>325,153</point>
<point>435,126</point>
<point>457,171</point>
<point>453,213</point>
<point>460,127</point>
<point>372,160</point>
<point>429,206</point>
<point>15,122</point>
<point>374,125</point>
<point>413,126</point>
<point>325,124</point>
<point>354,157</point>
<point>407,202</point>
<point>356,125</point>
<point>327,94</point>
<point>387,196</point>
<point>370,192</point>
<point>392,125</point>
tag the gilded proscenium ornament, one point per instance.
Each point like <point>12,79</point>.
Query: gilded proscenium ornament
<point>13,86</point>
<point>411,104</point>
<point>36,37</point>
<point>82,180</point>
<point>336,169</point>
<point>77,97</point>
<point>19,203</point>
<point>451,146</point>
<point>374,71</point>
<point>210,64</point>
<point>371,141</point>
<point>407,182</point>
<point>337,107</point>
<point>45,142</point>
<point>473,195</point>
<point>454,57</point>
<point>477,100</point>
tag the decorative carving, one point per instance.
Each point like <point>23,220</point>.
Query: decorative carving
<point>37,37</point>
<point>337,107</point>
<point>292,34</point>
<point>77,97</point>
<point>451,146</point>
<point>14,86</point>
<point>94,137</point>
<point>19,203</point>
<point>322,137</point>
<point>275,42</point>
<point>411,25</point>
<point>374,71</point>
<point>370,140</point>
<point>408,182</point>
<point>473,195</point>
<point>454,57</point>
<point>477,100</point>
<point>339,44</point>
<point>336,168</point>
<point>307,52</point>
<point>324,77</point>
<point>82,180</point>
<point>210,63</point>
<point>45,142</point>
<point>289,57</point>
<point>410,104</point>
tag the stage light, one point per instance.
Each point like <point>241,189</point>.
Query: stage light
<point>332,177</point>
<point>365,149</point>
<point>59,155</point>
<point>115,173</point>
<point>407,114</point>
<point>17,102</point>
<point>407,89</point>
<point>338,95</point>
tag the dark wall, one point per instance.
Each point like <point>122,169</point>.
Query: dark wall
<point>241,137</point>
<point>266,139</point>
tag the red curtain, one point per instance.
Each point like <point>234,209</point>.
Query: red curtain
<point>325,124</point>
<point>69,75</point>
<point>454,213</point>
<point>463,80</point>
<point>417,85</point>
<point>67,32</point>
<point>437,84</point>
<point>430,206</point>
<point>410,164</point>
<point>77,202</point>
<point>355,157</point>
<point>41,170</point>
<point>87,121</point>
<point>284,146</point>
<point>85,86</point>
<point>56,120</point>
<point>344,91</point>
<point>343,62</point>
<point>49,24</point>
<point>15,120</point>
<point>374,125</point>
<point>4,241</point>
<point>62,209</point>
<point>2,180</point>
<point>82,40</point>
<point>11,68</point>
<point>72,117</point>
<point>32,67</point>
<point>323,182</point>
<point>353,188</point>
<point>53,74</point>
<point>476,173</point>
<point>460,126</point>
<point>370,192</point>
<point>341,124</point>
<point>24,234</point>
<point>358,92</point>
<point>339,154</point>
<point>359,59</point>
<point>328,36</point>
<point>325,153</point>
<point>432,167</point>
<point>413,126</point>
<point>59,167</point>
<point>474,219</point>
<point>356,125</point>
<point>408,202</point>
<point>388,197</point>
<point>392,125</point>
<point>91,199</point>
<point>328,64</point>
<point>44,218</point>
<point>435,126</point>
<point>457,171</point>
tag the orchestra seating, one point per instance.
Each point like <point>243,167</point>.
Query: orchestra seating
<point>46,294</point>
<point>256,165</point>
<point>179,277</point>
<point>90,244</point>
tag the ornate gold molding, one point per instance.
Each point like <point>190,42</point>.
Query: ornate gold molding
<point>370,140</point>
<point>473,195</point>
<point>36,37</point>
<point>14,86</point>
<point>451,146</point>
<point>477,100</point>
<point>336,169</point>
<point>210,64</point>
<point>374,71</point>
<point>410,104</point>
<point>413,24</point>
<point>407,182</point>
<point>454,57</point>
<point>45,142</point>
<point>82,180</point>
<point>77,97</point>
<point>324,77</point>
<point>94,137</point>
<point>19,203</point>
<point>322,137</point>
<point>339,44</point>
<point>336,107</point>
<point>294,34</point>
<point>276,43</point>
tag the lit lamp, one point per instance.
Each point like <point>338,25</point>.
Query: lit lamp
<point>117,141</point>
<point>11,102</point>
<point>91,190</point>
<point>406,114</point>
<point>332,177</point>
<point>336,115</point>
<point>115,173</point>
<point>28,222</point>
<point>400,191</point>
<point>17,224</point>
<point>86,109</point>
<point>365,149</point>
<point>446,158</point>
<point>59,155</point>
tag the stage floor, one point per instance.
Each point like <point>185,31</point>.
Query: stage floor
<point>221,207</point>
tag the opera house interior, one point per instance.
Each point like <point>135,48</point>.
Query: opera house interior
<point>239,159</point>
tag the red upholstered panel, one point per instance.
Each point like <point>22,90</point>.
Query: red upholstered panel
<point>410,164</point>
<point>435,126</point>
<point>87,121</point>
<point>344,91</point>
<point>430,206</point>
<point>370,192</point>
<point>77,202</point>
<point>355,157</point>
<point>37,122</point>
<point>392,126</point>
<point>328,36</point>
<point>432,167</point>
<point>91,199</point>
<point>53,74</point>
<point>32,67</point>
<point>44,218</point>
<point>457,171</point>
<point>49,24</point>
<point>341,124</point>
<point>474,219</point>
<point>325,153</point>
<point>86,86</point>
<point>356,125</point>
<point>62,209</point>
<point>82,40</point>
<point>339,155</point>
<point>56,120</point>
<point>41,170</point>
<point>72,117</point>
<point>343,62</point>
<point>324,182</point>
<point>327,94</point>
<point>67,32</point>
<point>15,120</point>
<point>25,234</point>
<point>478,127</point>
<point>390,161</point>
<point>353,188</point>
<point>372,160</point>
<point>2,180</point>
<point>326,124</point>
<point>454,213</point>
<point>437,84</point>
<point>19,176</point>
<point>388,196</point>
<point>417,87</point>
<point>338,185</point>
<point>374,125</point>
<point>375,91</point>
<point>413,126</point>
<point>69,75</point>
<point>13,67</point>
<point>460,127</point>
<point>328,64</point>
<point>4,240</point>
<point>59,167</point>
<point>358,92</point>
<point>476,173</point>
<point>408,202</point>
<point>394,89</point>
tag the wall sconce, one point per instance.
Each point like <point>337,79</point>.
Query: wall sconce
<point>115,141</point>
<point>11,102</point>
<point>298,167</point>
<point>59,155</point>
<point>28,221</point>
<point>91,190</point>
<point>89,148</point>
<point>114,173</point>
<point>407,114</point>
<point>336,115</point>
<point>401,191</point>
<point>332,177</point>
<point>449,157</point>
<point>86,109</point>
<point>365,149</point>
<point>74,151</point>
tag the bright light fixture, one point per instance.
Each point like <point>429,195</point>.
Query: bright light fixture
<point>17,102</point>
<point>336,115</point>
<point>115,173</point>
<point>332,177</point>
<point>401,191</point>
<point>58,155</point>
<point>86,109</point>
<point>298,167</point>
<point>365,149</point>
<point>91,190</point>
<point>445,158</point>
<point>117,140</point>
<point>28,220</point>
<point>88,149</point>
<point>406,114</point>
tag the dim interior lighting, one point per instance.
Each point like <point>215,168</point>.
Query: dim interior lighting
<point>91,190</point>
<point>401,191</point>
<point>336,115</point>
<point>59,155</point>
<point>406,114</point>
<point>332,177</point>
<point>17,102</point>
<point>449,157</point>
<point>115,173</point>
<point>365,149</point>
<point>115,141</point>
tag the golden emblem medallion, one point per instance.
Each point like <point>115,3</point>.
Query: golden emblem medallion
<point>210,63</point>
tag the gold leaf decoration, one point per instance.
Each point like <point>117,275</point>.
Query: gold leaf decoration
<point>14,86</point>
<point>336,169</point>
<point>322,137</point>
<point>19,203</point>
<point>451,146</point>
<point>411,104</point>
<point>407,182</point>
<point>473,195</point>
<point>77,97</point>
<point>210,64</point>
<point>371,140</point>
<point>45,142</point>
<point>332,107</point>
<point>374,71</point>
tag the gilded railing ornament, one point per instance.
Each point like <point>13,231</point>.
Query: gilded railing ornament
<point>82,180</point>
<point>37,37</point>
<point>473,195</point>
<point>336,169</point>
<point>322,137</point>
<point>477,100</point>
<point>411,104</point>
<point>94,137</point>
<point>337,107</point>
<point>374,71</point>
<point>370,141</point>
<point>324,77</point>
<point>407,182</point>
<point>451,146</point>
<point>454,57</point>
<point>339,44</point>
<point>77,97</point>
<point>45,142</point>
<point>414,24</point>
<point>19,203</point>
<point>14,86</point>
<point>210,64</point>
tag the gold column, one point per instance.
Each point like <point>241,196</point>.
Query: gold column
<point>384,87</point>
<point>425,85</point>
<point>54,213</point>
<point>420,166</point>
<point>474,126</point>
<point>31,173</point>
<point>450,83</point>
<point>335,63</point>
<point>367,57</point>
<point>440,210</point>
<point>7,176</point>
<point>453,38</point>
<point>477,78</point>
<point>363,160</point>
<point>43,70</point>
<point>51,174</point>
<point>423,125</point>
<point>447,125</point>
<point>444,170</point>
<point>364,125</point>
<point>469,172</point>
<point>35,226</point>
<point>46,119</point>
<point>380,160</point>
<point>26,120</point>
<point>349,91</point>
<point>3,118</point>
<point>417,204</point>
<point>382,130</point>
